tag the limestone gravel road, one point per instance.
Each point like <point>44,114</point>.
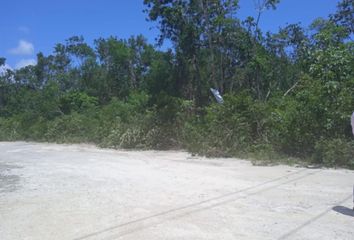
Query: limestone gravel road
<point>80,192</point>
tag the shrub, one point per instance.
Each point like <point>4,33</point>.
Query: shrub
<point>334,153</point>
<point>68,128</point>
<point>228,129</point>
<point>9,129</point>
<point>76,101</point>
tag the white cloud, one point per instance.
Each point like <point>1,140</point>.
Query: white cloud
<point>24,29</point>
<point>23,48</point>
<point>25,62</point>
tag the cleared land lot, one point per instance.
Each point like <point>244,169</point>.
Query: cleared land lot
<point>50,191</point>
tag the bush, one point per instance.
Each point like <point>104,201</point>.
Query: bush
<point>315,110</point>
<point>76,101</point>
<point>240,127</point>
<point>229,129</point>
<point>334,153</point>
<point>9,129</point>
<point>73,128</point>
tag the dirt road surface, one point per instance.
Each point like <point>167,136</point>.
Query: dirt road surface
<point>80,192</point>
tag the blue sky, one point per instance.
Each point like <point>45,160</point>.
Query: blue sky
<point>28,27</point>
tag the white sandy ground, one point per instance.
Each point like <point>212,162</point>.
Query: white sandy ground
<point>79,192</point>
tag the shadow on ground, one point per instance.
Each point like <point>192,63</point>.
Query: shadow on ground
<point>344,210</point>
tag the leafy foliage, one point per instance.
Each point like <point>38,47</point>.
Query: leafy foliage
<point>287,94</point>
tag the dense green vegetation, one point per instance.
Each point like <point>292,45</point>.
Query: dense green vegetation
<point>287,94</point>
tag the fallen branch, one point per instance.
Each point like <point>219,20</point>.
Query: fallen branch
<point>290,89</point>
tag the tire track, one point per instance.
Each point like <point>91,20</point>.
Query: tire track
<point>159,218</point>
<point>312,220</point>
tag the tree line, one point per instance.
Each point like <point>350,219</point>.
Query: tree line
<point>287,94</point>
